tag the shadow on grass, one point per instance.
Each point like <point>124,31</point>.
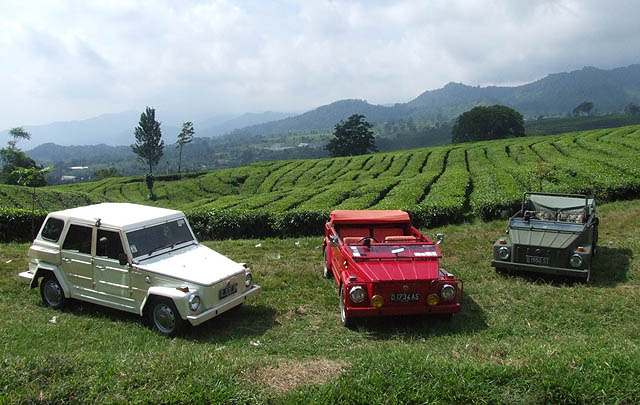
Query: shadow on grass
<point>608,269</point>
<point>471,319</point>
<point>610,266</point>
<point>242,321</point>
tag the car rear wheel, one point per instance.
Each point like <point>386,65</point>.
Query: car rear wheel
<point>51,292</point>
<point>165,318</point>
<point>344,318</point>
<point>326,267</point>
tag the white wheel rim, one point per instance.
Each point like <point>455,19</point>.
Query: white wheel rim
<point>52,293</point>
<point>164,318</point>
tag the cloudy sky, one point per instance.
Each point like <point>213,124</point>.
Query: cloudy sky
<point>69,60</point>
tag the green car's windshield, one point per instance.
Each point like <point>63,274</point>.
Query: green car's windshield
<point>151,239</point>
<point>546,225</point>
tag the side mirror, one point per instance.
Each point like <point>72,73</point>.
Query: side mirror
<point>333,240</point>
<point>439,238</point>
<point>122,259</point>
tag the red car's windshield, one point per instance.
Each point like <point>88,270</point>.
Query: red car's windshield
<point>390,251</point>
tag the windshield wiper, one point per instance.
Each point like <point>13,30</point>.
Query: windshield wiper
<point>160,248</point>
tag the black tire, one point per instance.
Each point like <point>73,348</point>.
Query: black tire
<point>163,316</point>
<point>326,267</point>
<point>51,292</point>
<point>346,320</point>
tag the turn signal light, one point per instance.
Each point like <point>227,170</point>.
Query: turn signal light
<point>580,249</point>
<point>433,300</point>
<point>377,301</point>
<point>183,288</point>
<point>502,241</point>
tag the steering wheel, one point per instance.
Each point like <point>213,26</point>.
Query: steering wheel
<point>367,240</point>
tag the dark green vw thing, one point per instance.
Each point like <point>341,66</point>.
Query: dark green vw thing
<point>552,234</point>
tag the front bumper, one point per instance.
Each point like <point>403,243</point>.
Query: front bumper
<point>403,310</point>
<point>217,310</point>
<point>559,271</point>
<point>26,277</point>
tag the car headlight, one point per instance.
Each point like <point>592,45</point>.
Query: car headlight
<point>248,278</point>
<point>575,261</point>
<point>357,294</point>
<point>194,302</point>
<point>504,253</point>
<point>447,292</point>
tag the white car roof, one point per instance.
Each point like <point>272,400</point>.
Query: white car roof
<point>126,216</point>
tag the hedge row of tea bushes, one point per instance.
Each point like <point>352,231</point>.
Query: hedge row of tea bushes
<point>437,185</point>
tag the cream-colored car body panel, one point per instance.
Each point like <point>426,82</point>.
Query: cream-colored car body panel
<point>176,272</point>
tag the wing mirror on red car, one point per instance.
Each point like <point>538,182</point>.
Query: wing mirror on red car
<point>439,238</point>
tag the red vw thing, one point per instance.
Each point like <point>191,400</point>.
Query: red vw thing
<point>384,266</point>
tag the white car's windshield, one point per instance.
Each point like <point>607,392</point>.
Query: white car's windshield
<point>151,239</point>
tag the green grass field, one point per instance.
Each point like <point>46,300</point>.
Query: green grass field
<point>519,339</point>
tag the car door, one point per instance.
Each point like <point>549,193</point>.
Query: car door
<point>76,259</point>
<point>113,280</point>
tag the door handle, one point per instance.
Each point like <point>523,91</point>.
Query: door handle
<point>66,260</point>
<point>100,267</point>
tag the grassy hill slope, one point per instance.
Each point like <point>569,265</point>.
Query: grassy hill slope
<point>436,185</point>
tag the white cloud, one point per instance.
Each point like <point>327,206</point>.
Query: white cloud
<point>72,60</point>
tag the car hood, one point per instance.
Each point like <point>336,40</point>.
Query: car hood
<point>195,263</point>
<point>543,238</point>
<point>399,270</point>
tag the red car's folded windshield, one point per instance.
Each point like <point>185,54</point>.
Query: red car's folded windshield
<point>390,251</point>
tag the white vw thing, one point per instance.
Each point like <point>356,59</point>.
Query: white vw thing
<point>136,258</point>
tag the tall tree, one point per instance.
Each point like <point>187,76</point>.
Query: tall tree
<point>352,137</point>
<point>149,145</point>
<point>18,133</point>
<point>13,158</point>
<point>482,123</point>
<point>32,177</point>
<point>184,137</point>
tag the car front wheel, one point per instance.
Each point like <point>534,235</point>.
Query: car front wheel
<point>326,267</point>
<point>165,318</point>
<point>346,319</point>
<point>51,292</point>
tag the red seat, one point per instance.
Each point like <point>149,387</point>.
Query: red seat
<point>400,238</point>
<point>354,231</point>
<point>380,233</point>
<point>351,240</point>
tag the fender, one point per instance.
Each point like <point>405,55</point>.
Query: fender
<point>178,297</point>
<point>41,271</point>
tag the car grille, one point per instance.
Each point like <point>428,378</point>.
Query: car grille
<point>223,291</point>
<point>403,293</point>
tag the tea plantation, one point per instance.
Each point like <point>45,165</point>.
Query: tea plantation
<point>437,185</point>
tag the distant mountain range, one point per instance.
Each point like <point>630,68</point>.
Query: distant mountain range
<point>554,95</point>
<point>117,129</point>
